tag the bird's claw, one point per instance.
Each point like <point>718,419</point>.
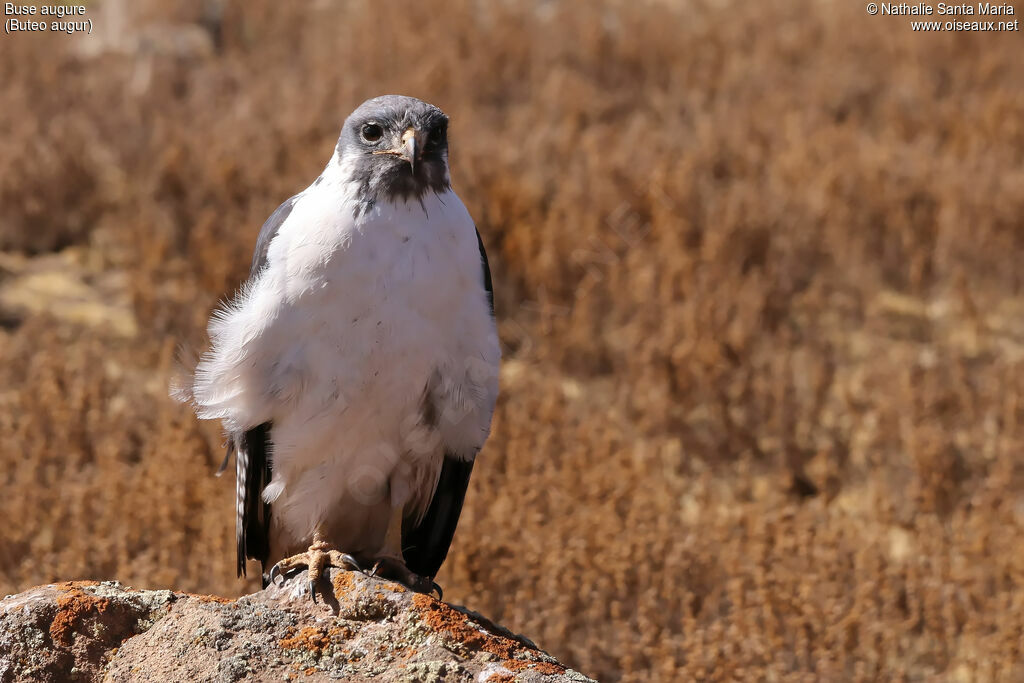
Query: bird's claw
<point>275,572</point>
<point>319,556</point>
<point>350,561</point>
<point>437,587</point>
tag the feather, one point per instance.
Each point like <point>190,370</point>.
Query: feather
<point>252,522</point>
<point>425,545</point>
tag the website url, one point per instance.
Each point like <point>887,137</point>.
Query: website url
<point>966,25</point>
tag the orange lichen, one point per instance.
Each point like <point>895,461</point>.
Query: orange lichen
<point>541,667</point>
<point>343,585</point>
<point>313,639</point>
<point>308,638</point>
<point>73,585</point>
<point>548,668</point>
<point>442,618</point>
<point>340,632</point>
<point>71,608</point>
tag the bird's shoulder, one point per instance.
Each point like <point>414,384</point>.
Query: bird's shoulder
<point>269,231</point>
<point>321,215</point>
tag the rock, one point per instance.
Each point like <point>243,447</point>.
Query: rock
<point>361,628</point>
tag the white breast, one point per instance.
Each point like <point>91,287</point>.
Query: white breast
<point>336,342</point>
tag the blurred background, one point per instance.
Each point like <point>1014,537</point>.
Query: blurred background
<point>759,287</point>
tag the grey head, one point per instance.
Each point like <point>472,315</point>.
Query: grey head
<point>396,148</point>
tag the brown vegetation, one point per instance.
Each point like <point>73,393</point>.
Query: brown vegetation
<point>758,280</point>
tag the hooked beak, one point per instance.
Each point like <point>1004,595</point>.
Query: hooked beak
<point>412,145</point>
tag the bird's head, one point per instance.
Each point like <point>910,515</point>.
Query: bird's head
<point>396,148</point>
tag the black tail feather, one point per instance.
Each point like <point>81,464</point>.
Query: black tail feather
<point>252,525</point>
<point>425,545</point>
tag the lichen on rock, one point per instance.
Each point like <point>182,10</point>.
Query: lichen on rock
<point>362,628</point>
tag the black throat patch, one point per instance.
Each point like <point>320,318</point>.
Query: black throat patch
<point>390,179</point>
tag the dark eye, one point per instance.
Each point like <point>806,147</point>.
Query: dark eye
<point>371,132</point>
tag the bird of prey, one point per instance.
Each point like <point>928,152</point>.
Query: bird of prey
<point>356,371</point>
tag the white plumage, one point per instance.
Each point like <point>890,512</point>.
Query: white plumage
<point>367,342</point>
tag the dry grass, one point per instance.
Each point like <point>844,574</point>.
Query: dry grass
<point>759,283</point>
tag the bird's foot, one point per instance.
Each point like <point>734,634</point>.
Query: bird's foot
<point>392,568</point>
<point>319,556</point>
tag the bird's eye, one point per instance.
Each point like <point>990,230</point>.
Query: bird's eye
<point>371,132</point>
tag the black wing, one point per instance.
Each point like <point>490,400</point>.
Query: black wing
<point>425,546</point>
<point>252,521</point>
<point>252,447</point>
<point>487,272</point>
<point>268,232</point>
